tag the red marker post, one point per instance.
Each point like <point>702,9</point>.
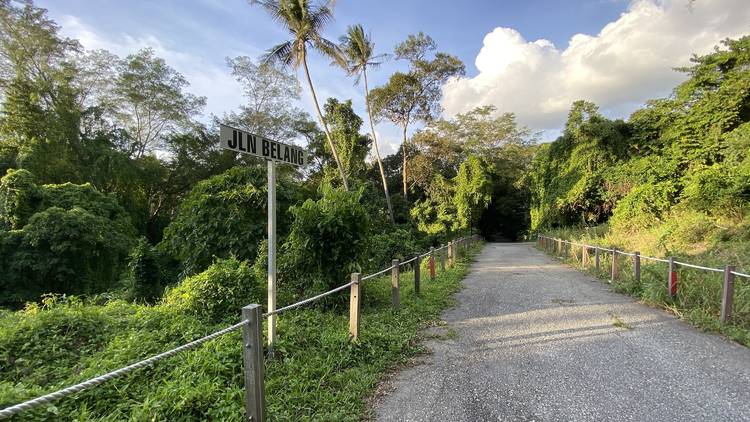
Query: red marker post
<point>672,281</point>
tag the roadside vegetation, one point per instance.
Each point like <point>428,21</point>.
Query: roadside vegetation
<point>673,180</point>
<point>316,372</point>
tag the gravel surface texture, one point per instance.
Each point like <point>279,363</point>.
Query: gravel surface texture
<point>540,341</point>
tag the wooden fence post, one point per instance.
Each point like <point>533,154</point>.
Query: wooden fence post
<point>394,284</point>
<point>672,278</point>
<point>417,273</point>
<point>559,247</point>
<point>597,258</point>
<point>584,256</point>
<point>637,266</point>
<point>432,263</point>
<point>441,257</point>
<point>451,254</point>
<point>613,275</point>
<point>355,305</point>
<point>728,296</point>
<point>252,358</point>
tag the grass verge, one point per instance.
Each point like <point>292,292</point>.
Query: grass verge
<point>317,373</point>
<point>698,299</point>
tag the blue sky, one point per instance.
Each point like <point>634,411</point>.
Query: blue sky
<point>529,65</point>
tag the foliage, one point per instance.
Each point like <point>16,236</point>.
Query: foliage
<point>399,243</point>
<point>688,150</point>
<point>316,369</point>
<point>270,90</point>
<point>225,216</point>
<point>327,241</point>
<point>305,22</point>
<point>61,239</point>
<point>218,293</point>
<point>344,125</point>
<point>146,275</point>
<point>150,99</point>
<point>473,191</point>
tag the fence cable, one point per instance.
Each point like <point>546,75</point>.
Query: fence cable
<point>49,398</point>
<point>308,300</point>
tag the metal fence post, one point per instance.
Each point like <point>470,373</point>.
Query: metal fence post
<point>672,278</point>
<point>394,284</point>
<point>432,263</point>
<point>252,357</point>
<point>417,273</point>
<point>597,258</point>
<point>728,296</point>
<point>613,275</point>
<point>451,254</point>
<point>637,266</point>
<point>355,305</point>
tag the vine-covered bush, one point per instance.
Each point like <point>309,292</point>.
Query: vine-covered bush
<point>225,216</point>
<point>218,293</point>
<point>58,239</point>
<point>328,241</point>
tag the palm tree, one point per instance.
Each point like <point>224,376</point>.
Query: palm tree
<point>305,23</point>
<point>359,54</point>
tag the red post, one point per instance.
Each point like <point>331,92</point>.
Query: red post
<point>672,278</point>
<point>431,263</point>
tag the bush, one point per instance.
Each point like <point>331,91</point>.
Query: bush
<point>145,273</point>
<point>399,243</point>
<point>225,216</point>
<point>645,205</point>
<point>327,242</point>
<point>218,293</point>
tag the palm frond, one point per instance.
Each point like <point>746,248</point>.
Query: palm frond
<point>282,53</point>
<point>276,10</point>
<point>329,49</point>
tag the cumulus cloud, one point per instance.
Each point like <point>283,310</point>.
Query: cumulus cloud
<point>630,61</point>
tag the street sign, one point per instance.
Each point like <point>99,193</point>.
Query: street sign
<point>274,152</point>
<point>247,143</point>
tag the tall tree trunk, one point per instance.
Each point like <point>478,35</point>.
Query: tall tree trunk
<point>404,172</point>
<point>377,150</point>
<point>325,125</point>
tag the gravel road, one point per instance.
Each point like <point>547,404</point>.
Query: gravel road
<point>539,341</point>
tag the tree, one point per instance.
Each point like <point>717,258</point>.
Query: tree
<point>150,101</point>
<point>305,23</point>
<point>415,95</point>
<point>473,191</point>
<point>269,92</point>
<point>352,146</point>
<point>359,52</point>
<point>40,117</point>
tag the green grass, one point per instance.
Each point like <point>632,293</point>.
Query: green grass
<point>699,292</point>
<point>316,373</point>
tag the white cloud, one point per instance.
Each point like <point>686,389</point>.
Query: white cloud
<point>206,78</point>
<point>631,60</point>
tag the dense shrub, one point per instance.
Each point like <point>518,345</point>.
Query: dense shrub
<point>645,205</point>
<point>146,275</point>
<point>225,216</point>
<point>400,243</point>
<point>218,293</point>
<point>327,242</point>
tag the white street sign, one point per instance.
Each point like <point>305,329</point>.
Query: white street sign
<point>244,142</point>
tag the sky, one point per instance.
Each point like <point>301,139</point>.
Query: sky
<point>531,57</point>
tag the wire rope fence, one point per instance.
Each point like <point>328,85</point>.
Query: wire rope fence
<point>252,332</point>
<point>562,248</point>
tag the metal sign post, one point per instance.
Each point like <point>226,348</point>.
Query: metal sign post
<point>274,152</point>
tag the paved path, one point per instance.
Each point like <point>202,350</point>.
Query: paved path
<point>536,342</point>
